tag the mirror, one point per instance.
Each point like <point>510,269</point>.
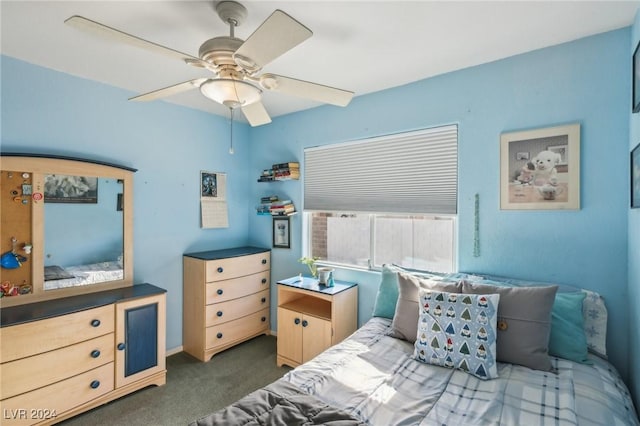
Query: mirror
<point>69,221</point>
<point>83,231</point>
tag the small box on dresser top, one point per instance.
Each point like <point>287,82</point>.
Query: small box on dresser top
<point>225,298</point>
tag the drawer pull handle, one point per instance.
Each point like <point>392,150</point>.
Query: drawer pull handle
<point>263,319</point>
<point>264,261</point>
<point>305,323</point>
<point>95,384</point>
<point>219,313</point>
<point>219,291</point>
<point>296,321</point>
<point>95,353</point>
<point>264,281</point>
<point>219,335</point>
<point>95,323</point>
<point>220,269</point>
<point>264,299</point>
<point>121,346</point>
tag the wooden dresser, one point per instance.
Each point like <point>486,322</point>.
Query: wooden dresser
<point>61,357</point>
<point>225,299</point>
<point>313,317</point>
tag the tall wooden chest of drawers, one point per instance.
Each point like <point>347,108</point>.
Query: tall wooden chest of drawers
<point>225,299</point>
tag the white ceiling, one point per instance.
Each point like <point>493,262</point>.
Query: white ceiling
<point>363,46</point>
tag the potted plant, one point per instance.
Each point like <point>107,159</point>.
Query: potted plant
<point>311,264</point>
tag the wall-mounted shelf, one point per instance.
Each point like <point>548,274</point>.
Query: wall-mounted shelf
<point>280,172</point>
<point>271,205</point>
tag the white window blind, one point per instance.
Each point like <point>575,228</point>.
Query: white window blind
<point>413,172</point>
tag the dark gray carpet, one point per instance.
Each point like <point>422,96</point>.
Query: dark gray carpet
<point>194,389</point>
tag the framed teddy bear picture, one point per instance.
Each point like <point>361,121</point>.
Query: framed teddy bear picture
<point>540,169</point>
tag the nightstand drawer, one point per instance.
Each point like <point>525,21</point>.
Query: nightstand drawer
<point>45,335</point>
<point>219,313</point>
<point>239,287</point>
<point>234,267</point>
<point>34,372</point>
<point>229,332</point>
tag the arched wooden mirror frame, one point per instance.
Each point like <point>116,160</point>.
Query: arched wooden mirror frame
<point>38,166</point>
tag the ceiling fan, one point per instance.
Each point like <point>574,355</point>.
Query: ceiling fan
<point>236,64</point>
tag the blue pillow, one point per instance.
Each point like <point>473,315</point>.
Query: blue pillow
<point>387,297</point>
<point>568,339</point>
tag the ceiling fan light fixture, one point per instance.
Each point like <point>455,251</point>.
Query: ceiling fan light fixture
<point>230,93</point>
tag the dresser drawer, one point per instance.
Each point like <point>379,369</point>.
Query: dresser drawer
<point>229,332</point>
<point>34,372</point>
<point>237,308</point>
<point>57,398</point>
<point>49,334</point>
<point>239,287</point>
<point>233,267</point>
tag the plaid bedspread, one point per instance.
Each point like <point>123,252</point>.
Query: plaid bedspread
<point>372,377</point>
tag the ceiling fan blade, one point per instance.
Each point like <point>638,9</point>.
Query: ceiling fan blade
<point>107,32</point>
<point>278,34</point>
<point>306,89</point>
<point>168,91</point>
<point>255,114</point>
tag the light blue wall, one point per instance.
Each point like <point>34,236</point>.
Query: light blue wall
<point>634,251</point>
<point>585,81</point>
<point>51,112</point>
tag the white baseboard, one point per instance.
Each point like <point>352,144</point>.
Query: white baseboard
<point>174,351</point>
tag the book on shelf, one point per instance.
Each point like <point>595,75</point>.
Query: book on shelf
<point>291,165</point>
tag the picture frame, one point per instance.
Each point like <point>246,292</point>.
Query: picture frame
<point>70,189</point>
<point>550,180</point>
<point>208,184</point>
<point>635,79</point>
<point>281,232</point>
<point>635,177</point>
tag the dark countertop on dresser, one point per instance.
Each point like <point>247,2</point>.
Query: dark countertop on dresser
<point>66,305</point>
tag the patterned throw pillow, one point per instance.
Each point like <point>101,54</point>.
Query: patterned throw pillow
<point>458,331</point>
<point>594,313</point>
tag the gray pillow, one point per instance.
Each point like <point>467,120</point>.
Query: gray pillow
<point>524,323</point>
<point>405,319</point>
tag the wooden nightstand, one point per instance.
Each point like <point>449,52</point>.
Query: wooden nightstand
<point>313,317</point>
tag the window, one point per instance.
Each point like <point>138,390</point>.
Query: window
<point>370,240</point>
<point>391,199</point>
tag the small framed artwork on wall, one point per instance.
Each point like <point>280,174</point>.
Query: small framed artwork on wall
<point>635,78</point>
<point>550,178</point>
<point>281,234</point>
<point>635,177</point>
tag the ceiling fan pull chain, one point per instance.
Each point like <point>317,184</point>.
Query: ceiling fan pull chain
<point>231,131</point>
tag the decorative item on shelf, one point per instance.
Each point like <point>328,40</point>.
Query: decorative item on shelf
<point>311,264</point>
<point>281,171</point>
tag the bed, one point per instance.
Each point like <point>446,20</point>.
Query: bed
<point>375,377</point>
<point>56,277</point>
